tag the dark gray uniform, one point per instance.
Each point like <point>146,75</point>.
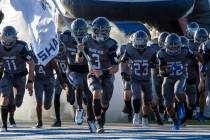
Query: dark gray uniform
<point>44,83</point>
<point>193,76</point>
<point>141,64</point>
<point>124,68</point>
<point>14,75</point>
<point>15,71</point>
<point>77,74</point>
<point>102,56</point>
<point>175,82</point>
<point>62,64</point>
<point>158,80</point>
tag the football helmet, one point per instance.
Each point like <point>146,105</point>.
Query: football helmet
<point>173,44</point>
<point>139,40</point>
<point>161,38</point>
<point>80,28</point>
<point>65,37</point>
<point>101,29</point>
<point>191,29</point>
<point>185,41</point>
<point>201,35</point>
<point>9,36</point>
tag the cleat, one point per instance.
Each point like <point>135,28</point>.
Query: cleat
<point>3,129</point>
<point>176,126</point>
<point>100,128</point>
<point>39,125</point>
<point>181,110</point>
<point>12,126</point>
<point>92,126</point>
<point>56,124</point>
<point>145,122</point>
<point>136,119</point>
<point>79,116</point>
<point>162,116</point>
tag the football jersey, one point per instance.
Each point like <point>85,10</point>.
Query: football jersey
<point>140,62</point>
<point>101,53</point>
<point>14,59</point>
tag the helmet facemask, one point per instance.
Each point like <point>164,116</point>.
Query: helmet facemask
<point>173,49</point>
<point>140,44</point>
<point>100,34</point>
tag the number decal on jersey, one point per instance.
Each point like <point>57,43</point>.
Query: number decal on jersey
<point>63,67</point>
<point>11,64</point>
<point>176,67</point>
<point>96,61</point>
<point>141,68</point>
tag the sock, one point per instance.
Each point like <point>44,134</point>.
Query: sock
<point>128,105</point>
<point>136,105</point>
<point>90,114</point>
<point>97,107</point>
<point>4,115</point>
<point>57,106</point>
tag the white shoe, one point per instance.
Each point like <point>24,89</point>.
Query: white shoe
<point>12,126</point>
<point>3,129</point>
<point>79,116</point>
<point>92,126</point>
<point>170,120</point>
<point>162,116</point>
<point>145,122</point>
<point>136,119</point>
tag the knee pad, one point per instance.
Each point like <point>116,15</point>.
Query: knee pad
<point>97,107</point>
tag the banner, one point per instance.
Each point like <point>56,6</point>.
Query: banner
<point>38,14</point>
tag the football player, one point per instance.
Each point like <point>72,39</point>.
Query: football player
<point>125,74</point>
<point>192,27</point>
<point>200,38</point>
<point>141,58</point>
<point>44,87</point>
<point>62,62</point>
<point>172,60</point>
<point>101,50</point>
<point>14,54</point>
<point>158,80</point>
<point>78,74</point>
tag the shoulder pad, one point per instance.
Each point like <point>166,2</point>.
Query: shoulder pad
<point>110,43</point>
<point>21,44</point>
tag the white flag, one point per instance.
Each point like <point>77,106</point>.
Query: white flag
<point>39,17</point>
